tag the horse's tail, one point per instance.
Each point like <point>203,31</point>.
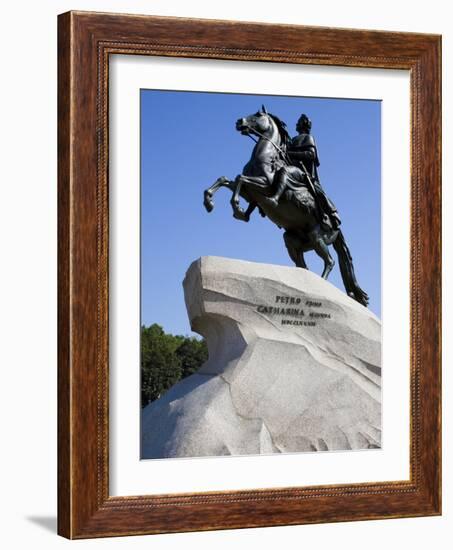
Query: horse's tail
<point>347,271</point>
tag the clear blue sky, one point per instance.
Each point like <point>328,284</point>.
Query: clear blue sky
<point>188,140</point>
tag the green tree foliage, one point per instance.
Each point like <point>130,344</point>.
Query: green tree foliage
<point>166,359</point>
<point>193,353</point>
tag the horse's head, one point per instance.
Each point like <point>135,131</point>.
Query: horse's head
<point>259,123</point>
<point>264,124</point>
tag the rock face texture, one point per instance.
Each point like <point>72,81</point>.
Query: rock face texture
<point>294,366</point>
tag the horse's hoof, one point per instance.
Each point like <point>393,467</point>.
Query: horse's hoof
<point>241,215</point>
<point>209,205</point>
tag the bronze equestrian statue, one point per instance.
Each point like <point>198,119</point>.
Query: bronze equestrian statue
<point>281,180</point>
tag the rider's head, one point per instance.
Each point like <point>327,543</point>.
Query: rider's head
<point>303,124</point>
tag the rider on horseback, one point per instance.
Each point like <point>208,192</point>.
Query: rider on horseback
<point>309,219</point>
<point>302,153</point>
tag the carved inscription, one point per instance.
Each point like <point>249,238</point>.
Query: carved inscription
<point>295,311</point>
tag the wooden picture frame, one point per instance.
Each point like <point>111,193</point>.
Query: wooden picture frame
<point>85,42</point>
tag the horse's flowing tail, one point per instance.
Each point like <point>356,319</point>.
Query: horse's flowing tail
<point>347,271</point>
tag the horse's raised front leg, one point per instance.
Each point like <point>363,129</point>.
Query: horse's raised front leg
<point>244,216</point>
<point>259,183</point>
<point>238,212</point>
<point>209,193</point>
<point>247,181</point>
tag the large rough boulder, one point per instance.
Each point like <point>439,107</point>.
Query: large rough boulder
<point>294,365</point>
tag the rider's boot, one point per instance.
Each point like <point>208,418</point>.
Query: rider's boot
<point>274,200</point>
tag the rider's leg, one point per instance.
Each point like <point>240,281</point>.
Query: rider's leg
<point>280,180</point>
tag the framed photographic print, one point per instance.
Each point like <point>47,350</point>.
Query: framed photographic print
<point>249,275</point>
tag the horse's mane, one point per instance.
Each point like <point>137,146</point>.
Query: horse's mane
<point>281,126</point>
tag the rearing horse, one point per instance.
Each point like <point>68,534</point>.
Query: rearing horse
<point>296,212</point>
